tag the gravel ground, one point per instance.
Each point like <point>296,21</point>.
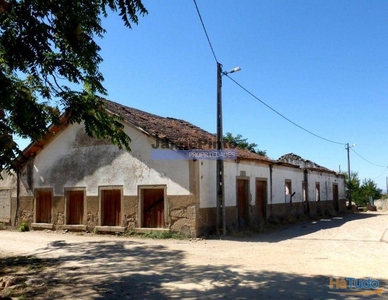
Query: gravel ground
<point>294,262</point>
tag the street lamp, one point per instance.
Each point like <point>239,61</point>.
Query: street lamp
<point>221,210</point>
<point>347,147</point>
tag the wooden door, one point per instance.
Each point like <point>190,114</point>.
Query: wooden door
<point>75,210</point>
<point>111,205</point>
<point>242,203</point>
<point>43,206</point>
<point>153,208</point>
<point>335,197</point>
<point>261,199</point>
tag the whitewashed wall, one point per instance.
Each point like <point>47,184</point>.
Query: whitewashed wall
<point>341,188</point>
<point>9,183</point>
<point>326,182</point>
<point>232,170</point>
<point>74,160</point>
<point>279,176</point>
<point>254,171</point>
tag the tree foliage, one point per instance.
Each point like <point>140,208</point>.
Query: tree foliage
<point>243,143</point>
<point>361,191</point>
<point>49,65</point>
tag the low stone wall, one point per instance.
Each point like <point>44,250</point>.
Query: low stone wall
<point>381,204</point>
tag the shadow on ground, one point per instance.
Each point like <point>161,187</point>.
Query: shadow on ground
<point>133,270</point>
<point>297,230</point>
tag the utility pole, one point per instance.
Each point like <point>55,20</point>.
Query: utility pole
<point>221,208</point>
<point>220,161</point>
<point>386,181</point>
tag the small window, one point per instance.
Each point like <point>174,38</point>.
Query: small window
<point>317,192</point>
<point>304,192</point>
<point>43,206</point>
<point>288,187</point>
<point>288,190</point>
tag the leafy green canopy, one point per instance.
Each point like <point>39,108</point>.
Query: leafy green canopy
<point>47,47</point>
<point>361,191</point>
<point>243,143</point>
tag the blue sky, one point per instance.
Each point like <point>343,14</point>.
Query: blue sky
<point>322,64</point>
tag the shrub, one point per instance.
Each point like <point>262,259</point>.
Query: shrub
<point>23,227</point>
<point>165,235</point>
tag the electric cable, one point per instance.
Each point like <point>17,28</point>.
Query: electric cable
<point>204,28</point>
<point>281,115</point>
<point>265,104</point>
<point>368,160</point>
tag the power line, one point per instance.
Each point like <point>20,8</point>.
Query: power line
<point>368,160</point>
<point>265,104</point>
<point>381,174</point>
<point>204,28</point>
<point>284,117</point>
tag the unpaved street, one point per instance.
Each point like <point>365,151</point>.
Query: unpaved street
<point>288,263</point>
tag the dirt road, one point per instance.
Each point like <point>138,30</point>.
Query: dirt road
<point>296,262</point>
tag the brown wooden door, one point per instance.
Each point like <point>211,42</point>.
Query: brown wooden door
<point>335,197</point>
<point>111,205</point>
<point>43,206</point>
<point>75,207</point>
<point>242,203</point>
<point>261,199</point>
<point>153,208</point>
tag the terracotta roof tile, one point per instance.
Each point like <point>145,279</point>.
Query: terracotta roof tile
<point>181,134</point>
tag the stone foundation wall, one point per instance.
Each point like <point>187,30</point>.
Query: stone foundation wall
<point>208,219</point>
<point>182,213</point>
<point>285,212</point>
<point>92,210</point>
<point>58,211</point>
<point>297,209</point>
<point>25,211</point>
<point>342,205</point>
<point>130,210</point>
<point>305,209</point>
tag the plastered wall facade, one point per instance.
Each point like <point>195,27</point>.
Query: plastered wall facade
<point>73,161</point>
<point>299,201</point>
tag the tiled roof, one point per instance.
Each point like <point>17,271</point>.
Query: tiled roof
<point>301,162</point>
<point>181,134</point>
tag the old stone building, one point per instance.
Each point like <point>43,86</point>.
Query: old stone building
<point>70,181</point>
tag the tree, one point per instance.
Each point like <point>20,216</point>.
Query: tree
<point>360,192</point>
<point>352,185</point>
<point>239,141</point>
<point>49,63</point>
<point>369,189</point>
